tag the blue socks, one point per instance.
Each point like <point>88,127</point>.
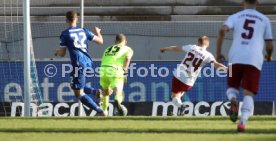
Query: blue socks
<point>89,90</point>
<point>89,102</point>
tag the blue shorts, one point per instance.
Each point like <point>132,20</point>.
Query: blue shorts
<point>78,76</point>
<point>77,82</point>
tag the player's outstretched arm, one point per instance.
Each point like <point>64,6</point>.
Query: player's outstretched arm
<point>219,65</point>
<point>269,50</point>
<point>98,38</point>
<point>221,34</point>
<point>171,49</point>
<point>60,52</point>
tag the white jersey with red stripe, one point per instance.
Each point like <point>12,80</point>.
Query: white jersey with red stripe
<point>250,29</point>
<point>196,57</point>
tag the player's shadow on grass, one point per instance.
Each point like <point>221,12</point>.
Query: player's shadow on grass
<point>127,130</point>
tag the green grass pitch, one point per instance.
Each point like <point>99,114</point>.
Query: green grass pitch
<point>260,128</point>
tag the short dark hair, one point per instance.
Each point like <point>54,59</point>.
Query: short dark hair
<point>71,15</point>
<point>251,1</point>
<point>119,38</point>
<point>202,39</point>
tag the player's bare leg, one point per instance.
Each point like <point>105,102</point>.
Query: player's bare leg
<point>105,99</point>
<point>176,99</point>
<point>247,107</point>
<point>234,104</point>
<point>118,99</point>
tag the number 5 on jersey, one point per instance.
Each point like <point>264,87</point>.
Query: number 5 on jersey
<point>248,27</point>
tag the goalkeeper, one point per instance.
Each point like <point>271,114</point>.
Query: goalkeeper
<point>115,61</point>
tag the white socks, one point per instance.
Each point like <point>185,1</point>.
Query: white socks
<point>177,101</point>
<point>247,107</point>
<point>232,93</point>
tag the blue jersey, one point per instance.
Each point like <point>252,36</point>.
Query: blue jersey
<point>76,40</point>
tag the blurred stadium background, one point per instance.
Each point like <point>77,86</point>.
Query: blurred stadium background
<point>149,25</point>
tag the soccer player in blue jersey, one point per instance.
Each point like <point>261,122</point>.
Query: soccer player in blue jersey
<point>76,39</point>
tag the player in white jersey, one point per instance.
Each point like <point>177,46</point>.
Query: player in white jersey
<point>251,29</point>
<point>187,72</point>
